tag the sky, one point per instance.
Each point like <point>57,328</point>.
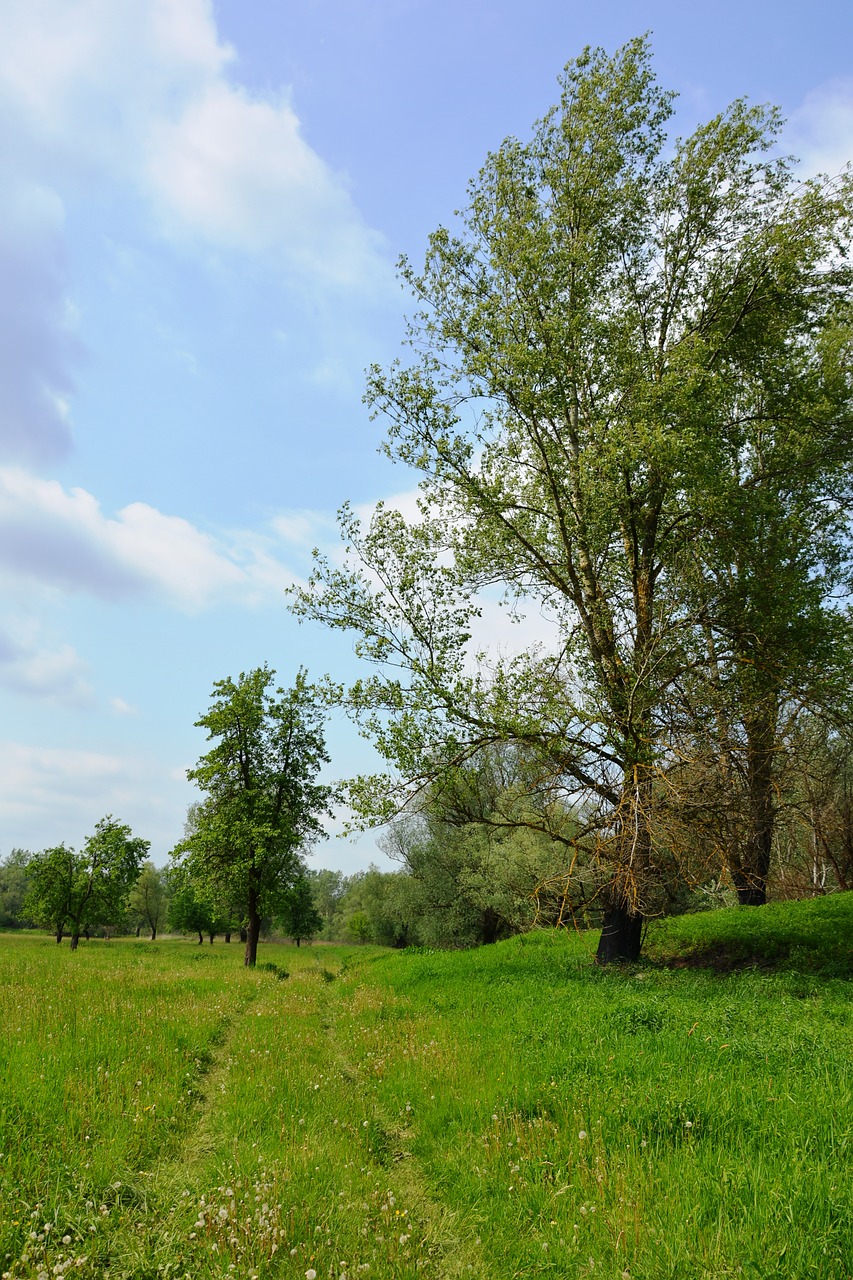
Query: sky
<point>203,204</point>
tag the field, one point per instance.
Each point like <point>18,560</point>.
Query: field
<point>506,1112</point>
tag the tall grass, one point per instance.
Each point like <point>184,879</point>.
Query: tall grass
<point>507,1112</point>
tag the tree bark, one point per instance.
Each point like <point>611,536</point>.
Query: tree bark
<point>750,870</point>
<point>621,936</point>
<point>75,939</point>
<point>200,937</point>
<point>153,932</point>
<point>59,932</point>
<point>253,926</point>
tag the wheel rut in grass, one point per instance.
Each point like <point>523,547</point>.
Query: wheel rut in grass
<point>451,1245</point>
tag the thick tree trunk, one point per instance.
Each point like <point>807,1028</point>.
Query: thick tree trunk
<point>621,936</point>
<point>138,930</point>
<point>227,935</point>
<point>211,936</point>
<point>75,939</point>
<point>297,941</point>
<point>59,932</point>
<point>153,932</point>
<point>750,870</point>
<point>200,937</point>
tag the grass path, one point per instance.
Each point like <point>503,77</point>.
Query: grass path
<point>505,1113</point>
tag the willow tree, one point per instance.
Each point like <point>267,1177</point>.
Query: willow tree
<point>593,353</point>
<point>262,801</point>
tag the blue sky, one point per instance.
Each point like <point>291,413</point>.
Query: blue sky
<point>202,207</point>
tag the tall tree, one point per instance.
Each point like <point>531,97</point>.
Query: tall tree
<point>262,801</point>
<point>618,322</point>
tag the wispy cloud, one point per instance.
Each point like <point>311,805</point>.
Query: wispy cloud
<point>820,131</point>
<point>62,792</point>
<point>51,673</point>
<point>64,540</point>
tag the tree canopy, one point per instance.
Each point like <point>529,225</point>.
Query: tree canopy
<point>629,403</point>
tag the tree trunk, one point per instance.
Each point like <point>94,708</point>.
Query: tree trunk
<point>227,935</point>
<point>200,937</point>
<point>153,932</point>
<point>253,926</point>
<point>75,939</point>
<point>211,936</point>
<point>59,932</point>
<point>297,941</point>
<point>138,930</point>
<point>621,936</point>
<point>750,870</point>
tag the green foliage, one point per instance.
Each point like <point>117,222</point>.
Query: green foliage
<point>630,408</point>
<point>262,800</point>
<point>148,902</point>
<point>14,884</point>
<point>82,890</point>
<point>299,918</point>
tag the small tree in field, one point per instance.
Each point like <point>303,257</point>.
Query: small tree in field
<point>262,800</point>
<point>76,890</point>
<point>149,900</point>
<point>300,918</point>
<point>50,895</point>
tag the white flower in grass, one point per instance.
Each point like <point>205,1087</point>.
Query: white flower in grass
<point>582,1134</point>
<point>310,1274</point>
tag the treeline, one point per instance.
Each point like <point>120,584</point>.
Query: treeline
<point>106,891</point>
<point>478,864</point>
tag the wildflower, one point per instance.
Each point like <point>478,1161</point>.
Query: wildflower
<point>688,1124</point>
<point>66,1239</point>
<point>582,1134</point>
<point>310,1274</point>
<point>404,1239</point>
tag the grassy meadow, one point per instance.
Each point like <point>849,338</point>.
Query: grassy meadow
<point>506,1112</point>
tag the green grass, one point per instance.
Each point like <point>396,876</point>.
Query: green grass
<point>511,1111</point>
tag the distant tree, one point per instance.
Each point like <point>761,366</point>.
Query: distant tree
<point>188,912</point>
<point>14,885</point>
<point>149,900</point>
<point>81,890</point>
<point>51,895</point>
<point>327,889</point>
<point>300,918</point>
<point>262,800</point>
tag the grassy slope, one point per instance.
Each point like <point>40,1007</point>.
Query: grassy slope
<point>506,1112</point>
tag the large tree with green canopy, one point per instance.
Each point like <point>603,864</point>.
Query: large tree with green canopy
<point>629,403</point>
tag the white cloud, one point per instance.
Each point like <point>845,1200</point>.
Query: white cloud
<point>138,92</point>
<point>820,132</point>
<point>53,794</point>
<point>63,540</point>
<point>102,99</point>
<point>52,674</point>
<point>122,708</point>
